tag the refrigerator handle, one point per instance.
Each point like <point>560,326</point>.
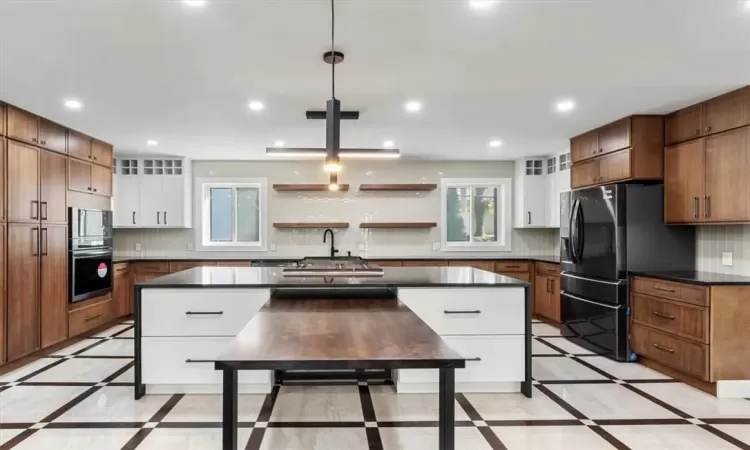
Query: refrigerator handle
<point>581,236</point>
<point>573,236</point>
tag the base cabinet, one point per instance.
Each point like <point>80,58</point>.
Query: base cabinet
<point>122,291</point>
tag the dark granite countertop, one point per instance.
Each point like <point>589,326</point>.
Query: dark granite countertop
<point>554,259</point>
<point>272,277</point>
<point>707,278</point>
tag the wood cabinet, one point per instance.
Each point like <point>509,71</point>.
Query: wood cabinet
<point>489,266</point>
<point>79,145</point>
<point>23,183</point>
<point>52,188</point>
<point>3,297</point>
<point>684,125</point>
<point>547,291</point>
<point>122,288</point>
<point>614,167</point>
<point>719,114</point>
<point>101,180</point>
<point>584,146</point>
<point>54,284</point>
<point>22,125</point>
<point>79,176</point>
<point>708,180</point>
<point>23,290</point>
<point>53,136</point>
<point>584,174</point>
<point>3,113</point>
<point>615,136</point>
<point>89,316</point>
<point>101,153</point>
<point>3,178</point>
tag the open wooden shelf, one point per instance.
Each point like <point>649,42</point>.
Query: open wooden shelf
<point>290,225</point>
<point>307,187</point>
<point>398,187</point>
<point>398,225</point>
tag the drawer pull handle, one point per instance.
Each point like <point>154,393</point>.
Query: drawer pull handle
<point>87,319</point>
<point>475,311</point>
<point>474,359</point>
<point>198,361</point>
<point>551,270</point>
<point>204,313</point>
<point>664,349</point>
<point>512,267</point>
<point>663,316</point>
<point>659,288</point>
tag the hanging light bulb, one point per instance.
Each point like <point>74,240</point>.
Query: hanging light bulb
<point>333,164</point>
<point>334,183</point>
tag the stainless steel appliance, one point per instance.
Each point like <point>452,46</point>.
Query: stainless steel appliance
<point>90,255</point>
<point>605,233</point>
<point>333,267</point>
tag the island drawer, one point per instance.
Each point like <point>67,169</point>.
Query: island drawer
<point>511,266</point>
<point>198,312</point>
<point>189,361</point>
<point>492,359</point>
<point>688,293</point>
<point>681,354</point>
<point>673,317</point>
<point>469,311</point>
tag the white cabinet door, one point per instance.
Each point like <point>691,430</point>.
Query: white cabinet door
<point>127,201</point>
<point>535,201</point>
<point>151,201</point>
<point>173,201</point>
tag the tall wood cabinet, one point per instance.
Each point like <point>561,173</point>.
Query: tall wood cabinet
<point>22,125</point>
<point>3,303</point>
<point>707,174</point>
<point>53,299</point>
<point>23,290</point>
<point>626,150</point>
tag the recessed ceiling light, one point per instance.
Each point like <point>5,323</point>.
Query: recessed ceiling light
<point>194,3</point>
<point>496,143</point>
<point>413,106</point>
<point>388,144</point>
<point>73,104</point>
<point>256,105</point>
<point>565,106</point>
<point>152,143</point>
<point>278,143</point>
<point>481,4</point>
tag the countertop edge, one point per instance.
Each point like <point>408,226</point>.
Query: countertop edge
<point>688,280</point>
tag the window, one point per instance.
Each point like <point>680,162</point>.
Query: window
<point>565,161</point>
<point>551,165</point>
<point>232,214</point>
<point>534,167</point>
<point>475,214</point>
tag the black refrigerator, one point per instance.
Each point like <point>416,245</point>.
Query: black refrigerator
<point>605,233</point>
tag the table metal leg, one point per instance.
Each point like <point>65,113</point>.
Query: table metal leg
<point>446,409</point>
<point>229,418</point>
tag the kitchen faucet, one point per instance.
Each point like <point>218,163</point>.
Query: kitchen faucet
<point>333,249</point>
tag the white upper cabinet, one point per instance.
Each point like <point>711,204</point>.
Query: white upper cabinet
<point>152,193</point>
<point>539,183</point>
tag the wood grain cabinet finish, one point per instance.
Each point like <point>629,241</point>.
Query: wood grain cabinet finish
<point>614,167</point>
<point>23,290</point>
<point>22,125</point>
<point>584,174</point>
<point>3,178</point>
<point>489,266</point>
<point>79,176</point>
<point>682,354</point>
<point>54,284</point>
<point>684,182</point>
<point>727,177</point>
<point>23,183</point>
<point>3,296</point>
<point>512,266</point>
<point>89,317</point>
<point>79,145</point>
<point>727,112</point>
<point>53,136</point>
<point>674,317</point>
<point>52,188</point>
<point>390,263</point>
<point>686,293</point>
<point>684,125</point>
<point>101,180</point>
<point>614,137</point>
<point>584,146</point>
<point>433,263</point>
<point>547,297</point>
<point>160,267</point>
<point>101,153</point>
<point>122,288</point>
<point>3,114</point>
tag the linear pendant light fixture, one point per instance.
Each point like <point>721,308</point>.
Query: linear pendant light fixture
<point>333,151</point>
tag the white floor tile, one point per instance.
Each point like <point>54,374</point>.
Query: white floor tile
<point>34,403</point>
<point>609,401</point>
<point>551,438</point>
<point>668,437</point>
<point>567,346</point>
<point>83,370</point>
<point>127,377</point>
<point>6,435</point>
<point>207,408</point>
<point>538,348</point>
<point>114,347</point>
<point>27,369</point>
<point>741,432</point>
<point>543,329</point>
<point>110,331</point>
<point>427,438</point>
<point>190,439</point>
<point>114,404</point>
<point>517,407</point>
<point>697,403</point>
<point>390,406</point>
<point>80,345</point>
<point>77,439</point>
<point>318,403</point>
<point>549,369</point>
<point>128,334</point>
<point>625,370</point>
<point>315,439</point>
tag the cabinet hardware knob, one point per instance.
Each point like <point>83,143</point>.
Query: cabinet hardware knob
<point>697,131</point>
<point>663,316</point>
<point>664,349</point>
<point>600,150</point>
<point>89,188</point>
<point>94,189</point>
<point>34,140</point>
<point>44,142</point>
<point>708,129</point>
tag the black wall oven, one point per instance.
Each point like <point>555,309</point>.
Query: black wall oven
<point>90,258</point>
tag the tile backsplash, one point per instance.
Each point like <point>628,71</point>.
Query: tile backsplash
<point>712,241</point>
<point>352,206</point>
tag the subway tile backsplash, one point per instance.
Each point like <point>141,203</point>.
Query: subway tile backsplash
<point>713,241</point>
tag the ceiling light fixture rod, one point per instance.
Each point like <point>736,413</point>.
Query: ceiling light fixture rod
<point>333,54</point>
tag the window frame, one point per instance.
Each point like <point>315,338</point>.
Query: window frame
<point>203,206</point>
<point>503,208</point>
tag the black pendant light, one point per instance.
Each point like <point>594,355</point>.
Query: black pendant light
<point>333,116</point>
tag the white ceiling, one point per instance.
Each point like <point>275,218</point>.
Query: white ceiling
<point>160,70</point>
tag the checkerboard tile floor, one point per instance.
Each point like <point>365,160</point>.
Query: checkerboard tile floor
<point>81,397</point>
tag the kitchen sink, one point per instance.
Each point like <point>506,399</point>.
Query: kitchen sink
<point>336,267</point>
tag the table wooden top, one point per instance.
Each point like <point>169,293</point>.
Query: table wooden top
<point>337,334</point>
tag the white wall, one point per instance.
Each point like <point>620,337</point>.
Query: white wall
<point>712,241</point>
<point>352,206</point>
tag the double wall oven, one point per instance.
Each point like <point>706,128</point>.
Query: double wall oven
<point>90,256</point>
<point>606,233</point>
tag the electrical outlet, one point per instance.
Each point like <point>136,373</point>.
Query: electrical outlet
<point>138,247</point>
<point>726,259</point>
<point>436,245</point>
<point>190,246</point>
